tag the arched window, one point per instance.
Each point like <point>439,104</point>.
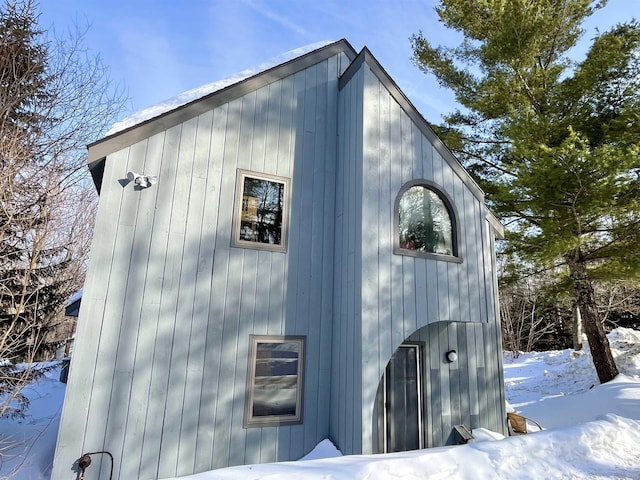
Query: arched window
<point>425,221</point>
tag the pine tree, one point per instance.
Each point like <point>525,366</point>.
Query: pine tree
<point>22,85</point>
<point>54,100</point>
<point>555,144</point>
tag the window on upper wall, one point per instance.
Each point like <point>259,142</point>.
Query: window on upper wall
<point>260,212</point>
<point>425,223</point>
<point>274,384</point>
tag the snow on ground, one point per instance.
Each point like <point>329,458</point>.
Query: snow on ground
<point>592,431</point>
<point>561,388</point>
<point>27,444</point>
<point>606,448</point>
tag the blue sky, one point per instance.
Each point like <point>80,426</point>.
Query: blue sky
<point>160,48</point>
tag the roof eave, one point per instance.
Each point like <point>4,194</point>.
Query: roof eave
<point>129,136</point>
<point>365,56</point>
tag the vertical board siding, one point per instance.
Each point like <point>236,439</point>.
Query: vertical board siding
<point>74,435</point>
<point>165,257</point>
<point>135,405</point>
<point>180,307</point>
<point>402,294</point>
<point>198,295</point>
<point>128,369</point>
<point>439,290</point>
<point>353,241</point>
<point>314,256</point>
<point>460,392</point>
<point>395,180</point>
<point>339,273</point>
<point>346,412</point>
<point>212,281</point>
<point>169,305</point>
<point>360,416</point>
<point>369,226</point>
<point>385,232</point>
<point>124,345</point>
<point>328,232</point>
<point>177,304</point>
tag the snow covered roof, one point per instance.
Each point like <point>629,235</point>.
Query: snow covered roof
<point>204,90</point>
<point>181,108</point>
<point>187,105</point>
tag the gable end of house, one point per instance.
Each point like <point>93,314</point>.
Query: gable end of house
<point>366,57</point>
<point>98,151</point>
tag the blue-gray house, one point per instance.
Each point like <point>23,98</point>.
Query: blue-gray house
<point>292,257</point>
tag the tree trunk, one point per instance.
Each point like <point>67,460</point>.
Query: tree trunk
<point>585,302</point>
<point>577,328</point>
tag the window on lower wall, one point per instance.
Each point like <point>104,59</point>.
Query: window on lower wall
<point>274,384</point>
<point>260,211</point>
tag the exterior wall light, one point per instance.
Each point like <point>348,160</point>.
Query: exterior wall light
<point>452,356</point>
<point>142,181</point>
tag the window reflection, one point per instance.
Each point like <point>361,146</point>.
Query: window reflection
<point>275,381</point>
<point>424,222</point>
<point>260,219</point>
